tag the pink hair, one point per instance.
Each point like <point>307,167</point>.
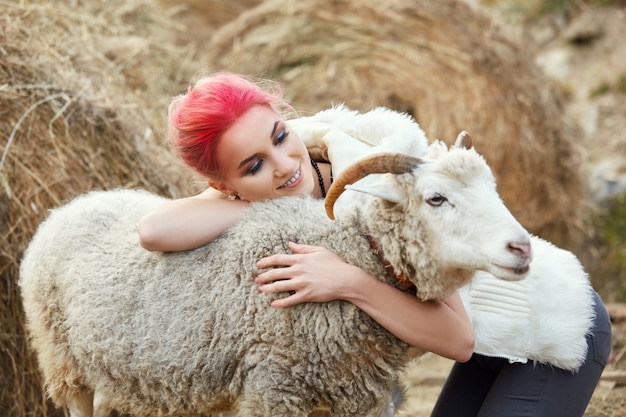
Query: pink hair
<point>199,118</point>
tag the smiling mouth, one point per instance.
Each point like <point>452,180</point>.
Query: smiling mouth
<point>293,179</point>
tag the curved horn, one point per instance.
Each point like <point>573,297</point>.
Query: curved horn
<point>463,140</point>
<point>376,164</point>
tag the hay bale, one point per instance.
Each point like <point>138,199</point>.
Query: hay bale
<point>442,62</point>
<point>84,89</point>
<point>203,17</point>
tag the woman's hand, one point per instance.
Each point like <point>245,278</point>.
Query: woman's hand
<point>311,273</point>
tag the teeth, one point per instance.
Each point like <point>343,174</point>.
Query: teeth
<point>292,180</point>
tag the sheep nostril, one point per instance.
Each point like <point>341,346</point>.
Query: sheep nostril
<point>522,248</point>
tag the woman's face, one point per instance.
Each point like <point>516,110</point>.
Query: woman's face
<point>260,158</point>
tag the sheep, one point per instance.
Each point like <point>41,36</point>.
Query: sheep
<point>116,327</point>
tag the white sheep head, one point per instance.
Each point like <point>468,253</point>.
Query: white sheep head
<point>439,218</point>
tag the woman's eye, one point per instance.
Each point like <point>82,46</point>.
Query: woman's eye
<point>255,167</point>
<point>436,200</point>
<point>280,137</point>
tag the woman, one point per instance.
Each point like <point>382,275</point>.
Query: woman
<point>230,131</point>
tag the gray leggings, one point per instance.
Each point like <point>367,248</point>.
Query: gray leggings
<point>493,387</point>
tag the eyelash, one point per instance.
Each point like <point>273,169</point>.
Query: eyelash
<point>281,137</point>
<point>278,140</point>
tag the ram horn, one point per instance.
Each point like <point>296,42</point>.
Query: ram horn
<point>393,163</point>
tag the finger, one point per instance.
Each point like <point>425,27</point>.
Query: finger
<point>284,285</point>
<point>289,301</point>
<point>301,248</point>
<point>280,259</point>
<point>272,275</point>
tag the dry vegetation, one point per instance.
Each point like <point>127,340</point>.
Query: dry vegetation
<point>84,87</point>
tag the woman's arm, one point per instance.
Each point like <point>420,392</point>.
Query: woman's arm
<point>188,223</point>
<point>315,274</point>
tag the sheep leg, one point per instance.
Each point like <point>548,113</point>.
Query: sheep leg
<point>81,405</point>
<point>89,404</point>
<point>271,393</point>
<point>101,406</point>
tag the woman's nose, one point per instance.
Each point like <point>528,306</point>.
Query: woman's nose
<point>284,164</point>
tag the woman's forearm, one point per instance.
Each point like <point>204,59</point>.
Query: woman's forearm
<point>440,327</point>
<point>188,223</point>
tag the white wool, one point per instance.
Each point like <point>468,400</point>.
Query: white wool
<point>544,317</point>
<point>342,136</point>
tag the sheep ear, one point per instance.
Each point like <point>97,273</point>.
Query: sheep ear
<point>464,140</point>
<point>378,187</point>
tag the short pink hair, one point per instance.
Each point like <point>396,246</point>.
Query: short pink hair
<point>199,118</point>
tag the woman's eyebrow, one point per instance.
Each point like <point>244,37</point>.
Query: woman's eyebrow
<point>275,126</point>
<point>245,161</point>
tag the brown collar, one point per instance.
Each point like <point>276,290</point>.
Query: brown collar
<point>402,283</point>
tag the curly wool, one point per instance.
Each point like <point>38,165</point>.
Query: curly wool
<point>189,332</point>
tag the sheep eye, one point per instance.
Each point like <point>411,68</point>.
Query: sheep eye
<point>436,200</point>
